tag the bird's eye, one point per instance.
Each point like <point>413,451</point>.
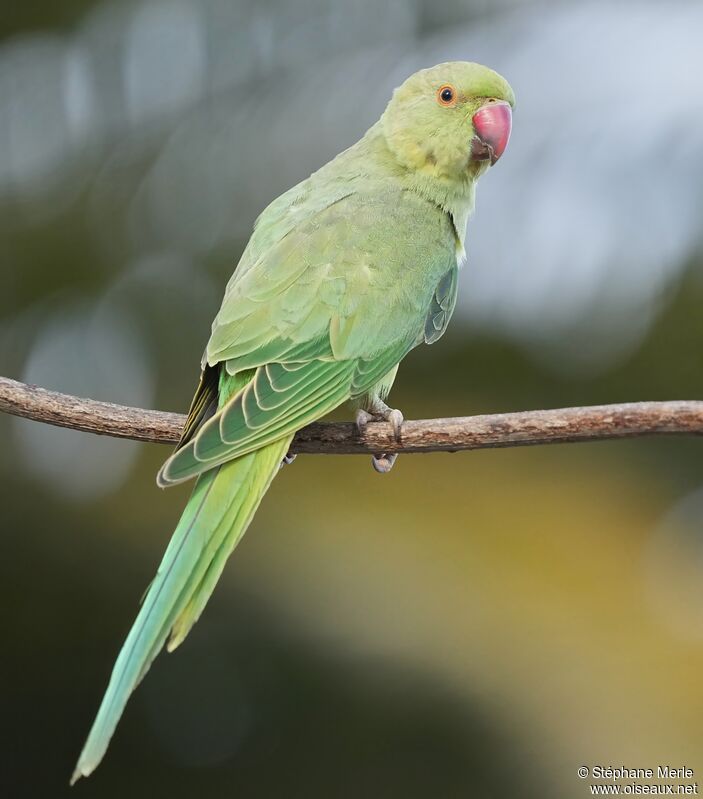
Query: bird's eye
<point>446,96</point>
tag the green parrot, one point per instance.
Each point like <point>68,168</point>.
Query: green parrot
<point>343,275</point>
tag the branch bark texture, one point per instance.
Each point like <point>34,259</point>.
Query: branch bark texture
<point>597,422</point>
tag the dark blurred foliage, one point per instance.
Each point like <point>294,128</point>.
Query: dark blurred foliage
<point>32,15</point>
<point>478,624</point>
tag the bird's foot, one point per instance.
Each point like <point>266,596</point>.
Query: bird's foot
<point>378,412</point>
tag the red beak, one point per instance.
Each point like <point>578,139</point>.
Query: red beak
<point>492,123</point>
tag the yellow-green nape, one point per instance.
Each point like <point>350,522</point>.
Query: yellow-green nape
<point>469,78</point>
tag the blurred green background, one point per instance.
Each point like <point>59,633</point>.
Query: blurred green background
<point>471,625</point>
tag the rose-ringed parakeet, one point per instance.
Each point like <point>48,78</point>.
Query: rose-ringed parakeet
<point>344,274</point>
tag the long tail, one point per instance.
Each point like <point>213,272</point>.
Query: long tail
<point>214,520</point>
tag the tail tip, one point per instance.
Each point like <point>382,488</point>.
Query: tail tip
<point>84,768</point>
<point>77,774</point>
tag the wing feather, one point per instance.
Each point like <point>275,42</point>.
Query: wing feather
<point>242,425</point>
<point>319,315</point>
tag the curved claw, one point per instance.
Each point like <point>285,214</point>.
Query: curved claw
<point>396,419</point>
<point>362,419</point>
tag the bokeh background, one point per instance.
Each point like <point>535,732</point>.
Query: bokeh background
<point>472,625</point>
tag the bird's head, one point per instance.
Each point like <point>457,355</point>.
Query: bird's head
<point>451,121</point>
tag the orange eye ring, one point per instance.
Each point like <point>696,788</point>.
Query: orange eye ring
<point>446,95</point>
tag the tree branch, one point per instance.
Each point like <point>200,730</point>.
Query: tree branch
<point>626,420</point>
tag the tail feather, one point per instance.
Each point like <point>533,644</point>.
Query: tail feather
<point>249,493</point>
<point>219,511</point>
